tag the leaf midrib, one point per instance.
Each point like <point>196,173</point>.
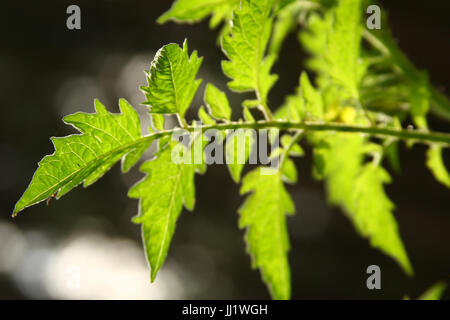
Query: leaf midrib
<point>168,220</point>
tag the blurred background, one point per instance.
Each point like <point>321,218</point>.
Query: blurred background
<point>85,246</point>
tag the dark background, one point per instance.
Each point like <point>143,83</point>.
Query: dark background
<point>47,71</point>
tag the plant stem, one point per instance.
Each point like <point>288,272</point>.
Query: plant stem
<point>296,138</point>
<point>267,113</point>
<point>182,122</point>
<point>419,136</point>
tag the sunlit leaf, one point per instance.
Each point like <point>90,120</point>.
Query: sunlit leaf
<point>264,216</point>
<point>195,10</point>
<point>359,190</point>
<point>217,103</point>
<point>105,139</point>
<point>168,185</point>
<point>436,164</point>
<point>434,293</point>
<point>237,151</point>
<point>172,80</point>
<point>245,47</point>
<point>371,213</point>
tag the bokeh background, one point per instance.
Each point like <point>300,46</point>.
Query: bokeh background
<point>84,245</point>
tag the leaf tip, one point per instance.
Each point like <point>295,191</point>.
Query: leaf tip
<point>407,267</point>
<point>236,177</point>
<point>162,18</point>
<point>153,273</point>
<point>17,209</point>
<point>99,107</point>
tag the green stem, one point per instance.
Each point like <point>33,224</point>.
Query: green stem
<point>296,138</point>
<point>267,113</point>
<point>182,122</point>
<point>419,136</point>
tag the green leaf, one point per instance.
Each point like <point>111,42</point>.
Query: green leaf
<point>217,103</point>
<point>263,214</point>
<point>284,24</point>
<point>195,10</point>
<point>282,113</point>
<point>205,117</point>
<point>237,151</point>
<point>436,164</point>
<point>420,102</point>
<point>157,122</point>
<point>291,109</point>
<point>314,40</point>
<point>245,48</point>
<point>105,139</point>
<point>313,105</point>
<point>248,115</point>
<point>392,155</point>
<point>359,190</point>
<point>295,150</point>
<point>371,213</point>
<point>282,4</point>
<point>434,293</point>
<point>335,41</point>
<point>344,41</point>
<point>168,185</point>
<point>339,158</point>
<point>289,171</point>
<point>251,103</point>
<point>306,104</point>
<point>171,80</point>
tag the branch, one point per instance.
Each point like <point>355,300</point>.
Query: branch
<point>425,137</point>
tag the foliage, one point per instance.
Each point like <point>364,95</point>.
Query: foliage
<point>434,293</point>
<point>263,213</point>
<point>351,115</point>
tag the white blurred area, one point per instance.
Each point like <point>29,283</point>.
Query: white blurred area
<point>85,266</point>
